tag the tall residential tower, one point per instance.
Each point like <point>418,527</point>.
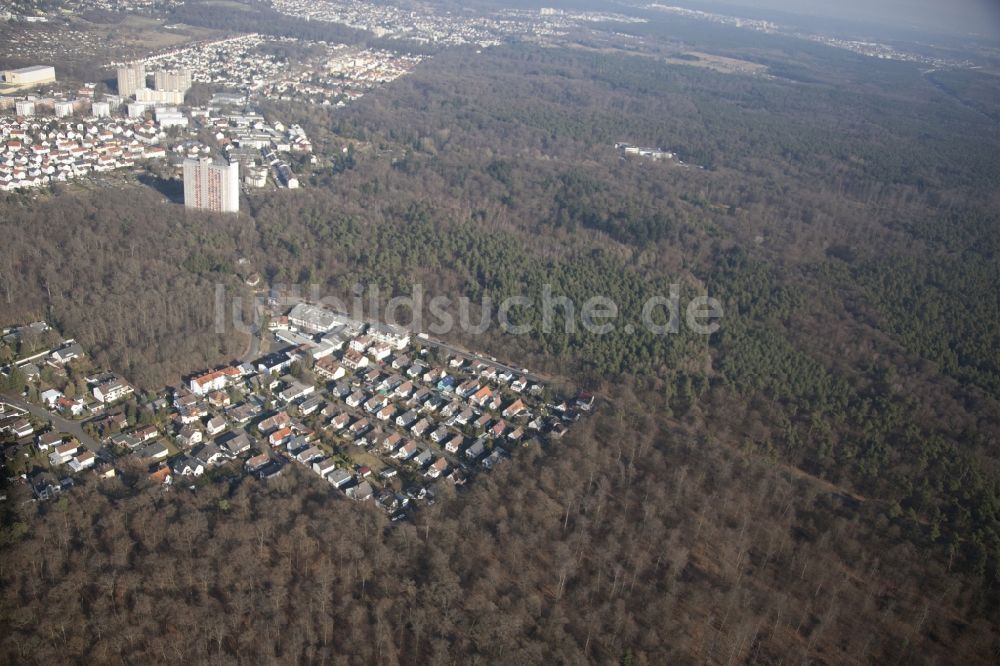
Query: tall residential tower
<point>212,186</point>
<point>131,78</point>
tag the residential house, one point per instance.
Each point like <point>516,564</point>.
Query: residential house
<point>74,407</point>
<point>296,391</point>
<point>219,399</point>
<point>215,425</point>
<point>360,343</point>
<point>112,390</point>
<point>146,434</point>
<point>464,416</point>
<point>310,405</point>
<point>467,388</point>
<point>154,451</point>
<point>375,403</point>
<point>329,369</point>
<point>279,420</point>
<point>495,456</point>
<point>379,351</point>
<point>296,445</point>
<point>437,468</point>
<point>44,486</point>
<point>212,454</point>
<point>355,399</point>
<point>497,429</point>
<point>339,478</point>
<point>354,360</point>
<point>82,461</point>
<point>391,442</point>
<point>324,467</point>
<point>310,454</point>
<point>476,449</point>
<point>213,381</point>
<point>406,451</point>
<point>63,453</point>
<point>340,421</point>
<point>274,363</point>
<point>48,439</point>
<point>254,463</point>
<point>51,397</point>
<point>360,426</point>
<point>66,353</point>
<point>482,396</point>
<point>424,458</point>
<point>420,427</point>
<point>407,418</point>
<point>454,444</point>
<point>434,375</point>
<point>237,444</point>
<point>187,466</point>
<point>395,336</point>
<point>280,436</point>
<point>361,492</point>
<point>189,436</point>
<point>513,409</point>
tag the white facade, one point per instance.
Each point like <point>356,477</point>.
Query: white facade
<point>30,76</point>
<point>211,186</point>
<point>179,80</point>
<point>131,78</point>
<point>159,96</point>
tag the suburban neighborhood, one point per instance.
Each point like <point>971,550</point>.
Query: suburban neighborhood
<point>374,412</point>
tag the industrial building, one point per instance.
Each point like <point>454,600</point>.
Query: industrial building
<point>211,186</point>
<point>29,76</point>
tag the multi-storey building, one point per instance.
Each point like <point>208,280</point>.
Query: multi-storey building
<point>131,78</point>
<point>211,186</point>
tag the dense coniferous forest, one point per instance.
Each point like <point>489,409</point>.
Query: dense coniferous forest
<point>815,482</point>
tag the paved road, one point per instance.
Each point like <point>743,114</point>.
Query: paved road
<point>61,424</point>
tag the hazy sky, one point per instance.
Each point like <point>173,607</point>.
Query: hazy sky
<point>964,16</point>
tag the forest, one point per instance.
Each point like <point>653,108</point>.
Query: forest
<point>818,481</point>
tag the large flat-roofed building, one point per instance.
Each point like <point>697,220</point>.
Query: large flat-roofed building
<point>178,81</point>
<point>149,96</point>
<point>30,76</point>
<point>212,186</point>
<point>131,78</point>
<point>313,318</point>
